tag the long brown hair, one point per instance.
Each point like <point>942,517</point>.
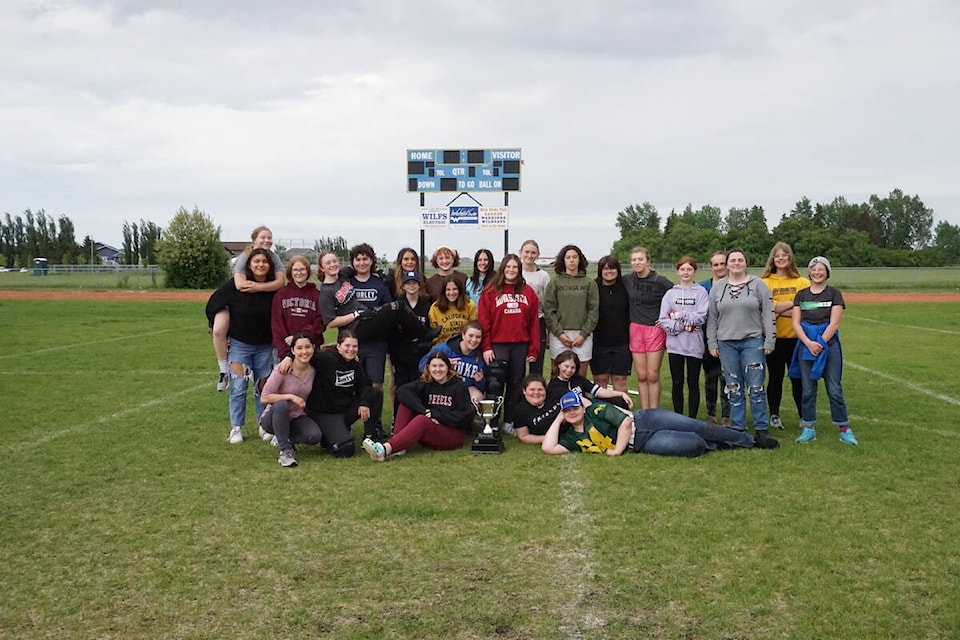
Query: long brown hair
<point>438,355</point>
<point>498,279</point>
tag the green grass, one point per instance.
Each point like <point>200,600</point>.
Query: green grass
<point>127,515</point>
<point>120,279</point>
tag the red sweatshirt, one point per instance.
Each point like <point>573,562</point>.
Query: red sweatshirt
<point>510,317</point>
<point>294,310</point>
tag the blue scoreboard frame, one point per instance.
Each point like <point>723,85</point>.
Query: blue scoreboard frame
<point>431,170</point>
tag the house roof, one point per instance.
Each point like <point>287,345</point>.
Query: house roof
<point>236,248</point>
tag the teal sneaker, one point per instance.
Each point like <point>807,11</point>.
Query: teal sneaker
<point>807,435</point>
<point>847,437</point>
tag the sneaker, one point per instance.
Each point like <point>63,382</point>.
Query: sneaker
<point>397,454</point>
<point>286,458</point>
<point>847,437</point>
<point>508,429</point>
<point>264,435</point>
<point>807,435</point>
<point>375,449</point>
<point>273,442</point>
<point>223,382</point>
<point>775,421</point>
<point>762,440</point>
<point>236,435</point>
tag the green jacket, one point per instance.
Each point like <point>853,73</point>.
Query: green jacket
<point>571,302</point>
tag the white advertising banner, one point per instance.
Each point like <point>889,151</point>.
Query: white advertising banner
<point>459,217</point>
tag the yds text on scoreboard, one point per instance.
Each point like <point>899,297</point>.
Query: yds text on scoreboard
<point>463,170</point>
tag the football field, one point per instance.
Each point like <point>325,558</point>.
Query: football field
<point>127,515</point>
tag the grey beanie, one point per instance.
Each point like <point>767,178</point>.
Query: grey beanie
<point>822,261</point>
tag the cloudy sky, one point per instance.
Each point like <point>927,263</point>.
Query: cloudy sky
<point>297,114</point>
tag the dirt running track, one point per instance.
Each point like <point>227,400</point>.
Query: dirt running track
<point>201,296</point>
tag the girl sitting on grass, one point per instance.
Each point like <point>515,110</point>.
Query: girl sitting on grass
<point>434,411</point>
<point>566,379</point>
<point>286,398</point>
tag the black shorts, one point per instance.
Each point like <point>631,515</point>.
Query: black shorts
<point>611,360</point>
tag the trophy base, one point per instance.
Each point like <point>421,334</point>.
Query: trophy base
<point>487,443</point>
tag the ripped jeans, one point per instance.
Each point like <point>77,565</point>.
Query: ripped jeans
<point>257,360</point>
<point>743,364</point>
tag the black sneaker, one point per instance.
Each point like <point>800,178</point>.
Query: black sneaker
<point>762,440</point>
<point>378,435</point>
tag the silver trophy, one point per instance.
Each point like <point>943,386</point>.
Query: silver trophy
<point>489,440</point>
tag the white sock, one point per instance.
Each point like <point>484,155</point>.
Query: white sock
<point>224,366</point>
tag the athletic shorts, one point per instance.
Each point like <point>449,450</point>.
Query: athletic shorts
<point>646,339</point>
<point>584,351</point>
<point>611,361</point>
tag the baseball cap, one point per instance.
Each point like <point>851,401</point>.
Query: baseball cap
<point>570,399</point>
<point>410,275</point>
<point>822,261</point>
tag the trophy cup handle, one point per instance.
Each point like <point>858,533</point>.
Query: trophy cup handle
<point>499,405</point>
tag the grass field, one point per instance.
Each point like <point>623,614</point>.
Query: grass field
<point>127,515</point>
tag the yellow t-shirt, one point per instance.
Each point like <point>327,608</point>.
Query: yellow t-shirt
<point>784,289</point>
<point>452,321</point>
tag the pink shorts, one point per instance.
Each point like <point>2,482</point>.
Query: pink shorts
<point>646,339</point>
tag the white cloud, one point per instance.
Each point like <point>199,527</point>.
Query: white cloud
<point>297,113</point>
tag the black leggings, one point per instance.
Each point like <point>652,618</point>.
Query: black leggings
<point>692,365</point>
<point>777,363</point>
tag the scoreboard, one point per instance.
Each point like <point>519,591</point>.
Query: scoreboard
<point>463,170</point>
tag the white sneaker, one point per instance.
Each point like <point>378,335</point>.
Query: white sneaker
<point>286,458</point>
<point>508,429</point>
<point>273,442</point>
<point>374,449</point>
<point>263,434</point>
<point>236,435</point>
<point>223,382</point>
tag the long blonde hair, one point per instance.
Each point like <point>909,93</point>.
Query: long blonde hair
<point>770,268</point>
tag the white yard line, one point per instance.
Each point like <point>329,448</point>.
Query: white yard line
<point>909,385</point>
<point>904,326</point>
<point>577,569</point>
<point>80,428</point>
<point>913,426</point>
<point>64,347</point>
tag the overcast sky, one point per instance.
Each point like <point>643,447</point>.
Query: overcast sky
<point>298,114</point>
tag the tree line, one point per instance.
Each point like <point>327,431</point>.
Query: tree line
<point>894,231</point>
<point>38,235</point>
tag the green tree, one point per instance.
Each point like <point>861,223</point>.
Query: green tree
<point>191,252</point>
<point>149,236</point>
<point>904,221</point>
<point>747,229</point>
<point>337,245</point>
<point>637,218</point>
<point>947,239</point>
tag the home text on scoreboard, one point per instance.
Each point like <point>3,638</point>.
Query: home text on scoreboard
<point>463,170</point>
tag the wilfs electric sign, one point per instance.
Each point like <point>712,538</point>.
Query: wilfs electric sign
<point>458,217</point>
<point>463,170</point>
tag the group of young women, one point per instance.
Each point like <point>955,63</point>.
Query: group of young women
<point>444,332</point>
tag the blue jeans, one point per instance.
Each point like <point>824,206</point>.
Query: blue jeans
<point>665,433</point>
<point>744,365</point>
<point>258,358</point>
<point>832,374</point>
